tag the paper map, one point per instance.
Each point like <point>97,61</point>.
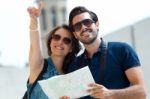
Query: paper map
<point>73,84</point>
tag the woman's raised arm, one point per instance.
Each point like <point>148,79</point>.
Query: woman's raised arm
<point>35,54</point>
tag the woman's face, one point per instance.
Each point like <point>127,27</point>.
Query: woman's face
<point>61,43</point>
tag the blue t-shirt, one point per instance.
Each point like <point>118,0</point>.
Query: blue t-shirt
<point>37,92</point>
<point>120,57</point>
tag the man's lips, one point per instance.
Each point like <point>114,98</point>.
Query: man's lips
<point>86,32</point>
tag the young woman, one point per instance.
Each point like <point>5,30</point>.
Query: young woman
<point>62,46</point>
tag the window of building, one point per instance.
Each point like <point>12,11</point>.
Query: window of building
<point>64,14</point>
<point>53,15</point>
<point>43,20</point>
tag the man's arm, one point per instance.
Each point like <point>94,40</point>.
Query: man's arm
<point>137,89</point>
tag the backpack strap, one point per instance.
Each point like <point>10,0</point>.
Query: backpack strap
<point>26,95</point>
<point>103,58</point>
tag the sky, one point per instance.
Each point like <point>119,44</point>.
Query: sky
<point>14,39</point>
<point>14,23</point>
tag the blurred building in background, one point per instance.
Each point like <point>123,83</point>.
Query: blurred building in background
<point>53,14</point>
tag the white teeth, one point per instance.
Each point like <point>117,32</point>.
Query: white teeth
<point>85,33</point>
<point>58,47</point>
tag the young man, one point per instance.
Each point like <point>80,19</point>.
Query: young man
<point>121,77</point>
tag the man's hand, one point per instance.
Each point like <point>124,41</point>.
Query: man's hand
<point>64,97</point>
<point>99,91</point>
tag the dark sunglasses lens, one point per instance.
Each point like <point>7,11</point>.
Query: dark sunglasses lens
<point>67,40</point>
<point>56,37</point>
<point>87,22</point>
<point>77,26</point>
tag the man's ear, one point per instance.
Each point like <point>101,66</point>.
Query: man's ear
<point>97,24</point>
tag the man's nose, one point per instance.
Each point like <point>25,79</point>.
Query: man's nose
<point>83,26</point>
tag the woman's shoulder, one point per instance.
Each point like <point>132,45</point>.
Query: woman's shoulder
<point>50,69</point>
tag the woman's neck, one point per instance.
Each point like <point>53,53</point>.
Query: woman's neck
<point>58,62</point>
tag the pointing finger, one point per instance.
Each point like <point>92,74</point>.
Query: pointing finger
<point>41,4</point>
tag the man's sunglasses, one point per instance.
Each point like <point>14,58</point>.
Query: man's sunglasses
<point>86,22</point>
<point>65,40</point>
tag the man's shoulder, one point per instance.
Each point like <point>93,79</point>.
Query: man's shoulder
<point>118,44</point>
<point>120,48</point>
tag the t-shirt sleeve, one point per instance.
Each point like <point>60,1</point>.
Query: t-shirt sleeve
<point>130,58</point>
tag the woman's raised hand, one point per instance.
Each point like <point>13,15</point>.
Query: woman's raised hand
<point>35,12</point>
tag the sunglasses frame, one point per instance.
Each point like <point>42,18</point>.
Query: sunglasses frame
<point>66,40</point>
<point>86,22</point>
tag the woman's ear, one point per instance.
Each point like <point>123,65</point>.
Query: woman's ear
<point>74,33</point>
<point>71,48</point>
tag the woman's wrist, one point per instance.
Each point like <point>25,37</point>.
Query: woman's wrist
<point>33,25</point>
<point>33,30</point>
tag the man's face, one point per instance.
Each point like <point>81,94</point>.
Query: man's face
<point>85,29</point>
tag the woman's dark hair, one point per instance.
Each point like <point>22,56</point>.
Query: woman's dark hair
<point>78,10</point>
<point>75,46</point>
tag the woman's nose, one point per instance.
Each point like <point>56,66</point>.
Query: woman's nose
<point>60,41</point>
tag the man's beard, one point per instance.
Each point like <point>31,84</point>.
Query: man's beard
<point>90,41</point>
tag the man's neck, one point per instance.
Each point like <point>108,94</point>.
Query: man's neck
<point>93,47</point>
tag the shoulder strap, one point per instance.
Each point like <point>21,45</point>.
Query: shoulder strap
<point>41,73</point>
<point>103,59</point>
<point>103,54</point>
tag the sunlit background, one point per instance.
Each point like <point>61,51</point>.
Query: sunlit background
<point>122,20</point>
<point>14,21</point>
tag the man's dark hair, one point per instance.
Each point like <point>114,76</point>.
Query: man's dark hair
<point>94,17</point>
<point>76,11</point>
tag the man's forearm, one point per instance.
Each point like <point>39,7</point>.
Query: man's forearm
<point>133,92</point>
